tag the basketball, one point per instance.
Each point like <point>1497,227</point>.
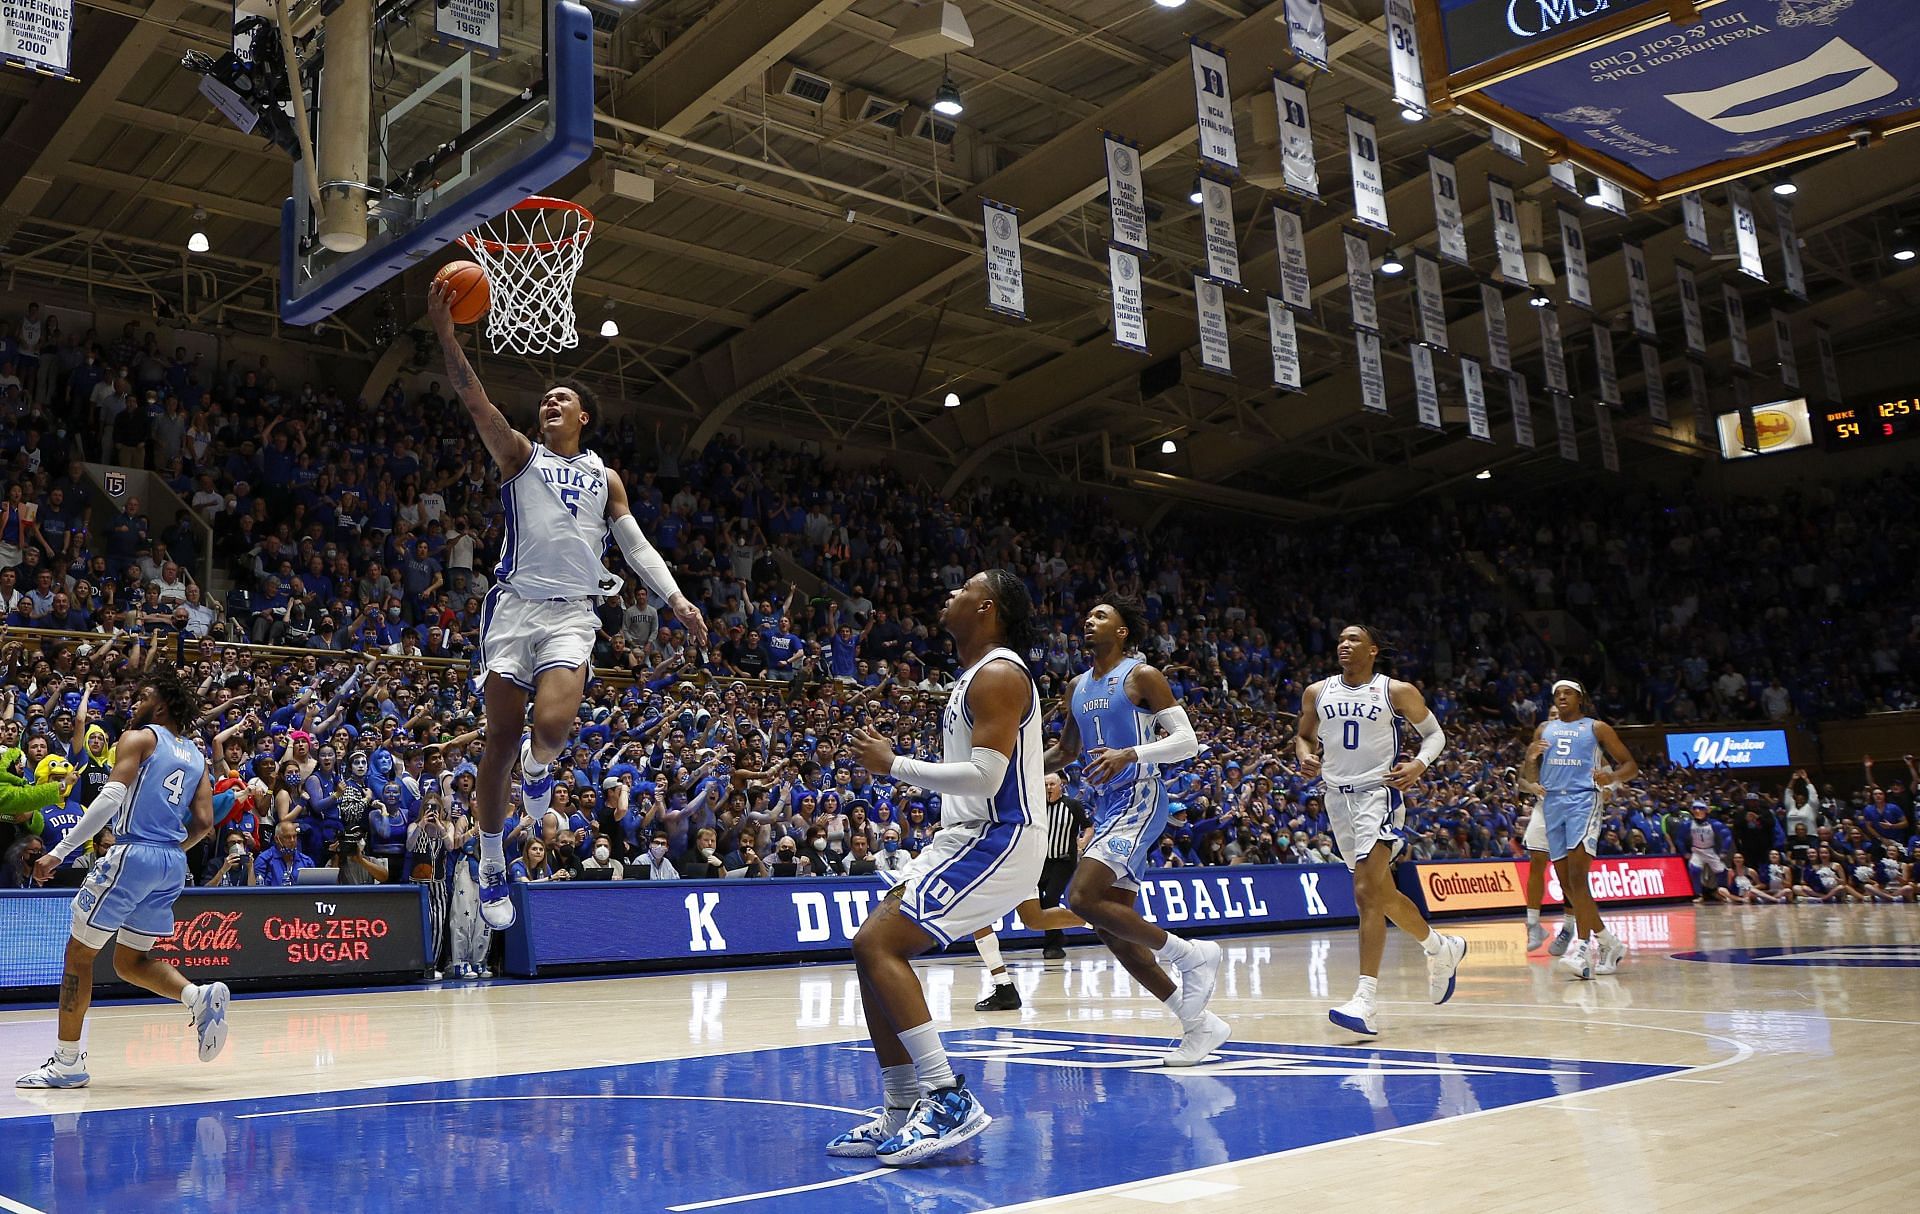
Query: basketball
<point>470,294</point>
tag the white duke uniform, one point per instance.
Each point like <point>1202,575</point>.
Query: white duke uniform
<point>1359,741</point>
<point>539,616</point>
<point>986,858</point>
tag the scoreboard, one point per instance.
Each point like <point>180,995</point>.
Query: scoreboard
<point>1870,423</point>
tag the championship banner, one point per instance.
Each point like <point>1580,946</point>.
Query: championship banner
<point>1573,246</point>
<point>1796,273</point>
<point>474,23</point>
<point>1366,312</point>
<point>1508,144</point>
<point>1693,215</point>
<point>1449,225</point>
<point>1299,167</point>
<point>1520,405</point>
<point>1433,308</point>
<point>1129,308</point>
<point>1608,370</point>
<point>1474,386</point>
<point>1506,233</point>
<point>1783,350</point>
<point>1290,242</point>
<point>1611,197</point>
<point>1426,385</point>
<point>1285,340</point>
<point>1690,315</point>
<point>1223,250</point>
<point>1563,175</point>
<point>1553,351</point>
<point>1746,232</point>
<point>1210,306</point>
<point>1639,290</point>
<point>1697,393</point>
<point>1373,372</point>
<point>1656,382</point>
<point>38,34</point>
<point>1369,187</point>
<point>1307,32</point>
<point>1569,442</point>
<point>1006,287</point>
<point>1737,327</point>
<point>1403,52</point>
<point>1609,449</point>
<point>1493,309</point>
<point>1213,107</point>
<point>1829,365</point>
<point>1126,194</point>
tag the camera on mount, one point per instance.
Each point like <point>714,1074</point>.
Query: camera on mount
<point>256,82</point>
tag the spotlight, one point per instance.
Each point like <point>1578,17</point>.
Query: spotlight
<point>1540,301</point>
<point>1391,264</point>
<point>1785,187</point>
<point>1199,195</point>
<point>1485,474</point>
<point>952,400</point>
<point>1169,3</point>
<point>1904,254</point>
<point>1168,446</point>
<point>197,243</point>
<point>609,327</point>
<point>946,99</point>
<point>1409,114</point>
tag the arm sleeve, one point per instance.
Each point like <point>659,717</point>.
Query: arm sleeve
<point>1433,739</point>
<point>1180,742</point>
<point>111,798</point>
<point>979,775</point>
<point>642,557</point>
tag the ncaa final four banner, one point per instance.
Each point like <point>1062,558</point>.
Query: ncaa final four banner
<point>1506,232</point>
<point>1290,242</point>
<point>1493,309</point>
<point>1746,232</point>
<point>38,35</point>
<point>1553,351</point>
<point>1213,107</point>
<point>1426,385</point>
<point>1520,408</point>
<point>1373,372</point>
<point>1299,166</point>
<point>1006,286</point>
<point>1796,273</point>
<point>1366,309</point>
<point>1129,307</point>
<point>1690,317</point>
<point>1433,310</point>
<point>1449,225</point>
<point>1568,438</point>
<point>1216,219</point>
<point>1369,185</point>
<point>1656,382</point>
<point>1126,193</point>
<point>1693,217</point>
<point>1606,370</point>
<point>1829,365</point>
<point>1474,387</point>
<point>1307,32</point>
<point>1639,290</point>
<point>1609,449</point>
<point>1783,351</point>
<point>1698,394</point>
<point>1573,246</point>
<point>1284,337</point>
<point>1737,327</point>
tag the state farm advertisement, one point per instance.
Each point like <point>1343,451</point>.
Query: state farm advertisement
<point>1452,886</point>
<point>242,935</point>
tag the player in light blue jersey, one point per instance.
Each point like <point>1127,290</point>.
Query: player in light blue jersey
<point>1565,761</point>
<point>159,804</point>
<point>1118,706</point>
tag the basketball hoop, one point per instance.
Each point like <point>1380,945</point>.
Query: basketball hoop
<point>531,255</point>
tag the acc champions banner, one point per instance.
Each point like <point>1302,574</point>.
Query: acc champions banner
<point>1747,76</point>
<point>698,923</point>
<point>1442,887</point>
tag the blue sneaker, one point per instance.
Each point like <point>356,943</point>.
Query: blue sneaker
<point>535,795</point>
<point>939,1122</point>
<point>863,1141</point>
<point>54,1073</point>
<point>210,1019</point>
<point>496,901</point>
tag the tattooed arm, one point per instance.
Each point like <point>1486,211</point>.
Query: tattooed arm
<point>510,449</point>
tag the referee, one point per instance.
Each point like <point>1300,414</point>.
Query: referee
<point>1068,824</point>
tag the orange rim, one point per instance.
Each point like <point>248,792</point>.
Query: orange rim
<point>537,203</point>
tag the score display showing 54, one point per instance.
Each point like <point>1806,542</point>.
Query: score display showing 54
<point>1883,421</point>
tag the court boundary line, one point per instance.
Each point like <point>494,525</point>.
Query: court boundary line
<point>835,1183</point>
<point>18,1207</point>
<point>401,1104</point>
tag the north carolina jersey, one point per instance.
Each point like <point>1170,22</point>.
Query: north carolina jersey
<point>161,799</point>
<point>1359,733</point>
<point>1107,717</point>
<point>556,528</point>
<point>1022,796</point>
<point>1572,750</point>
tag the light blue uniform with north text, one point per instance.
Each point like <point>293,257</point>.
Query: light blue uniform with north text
<point>1130,812</point>
<point>1571,806</point>
<point>131,891</point>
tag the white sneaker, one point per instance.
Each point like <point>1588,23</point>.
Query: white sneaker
<point>210,1019</point>
<point>863,1141</point>
<point>1200,1041</point>
<point>1561,939</point>
<point>1356,1016</point>
<point>496,897</point>
<point>1443,967</point>
<point>54,1073</point>
<point>1576,963</point>
<point>1198,976</point>
<point>1610,956</point>
<point>1536,936</point>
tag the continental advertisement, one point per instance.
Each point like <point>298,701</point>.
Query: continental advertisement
<point>1447,887</point>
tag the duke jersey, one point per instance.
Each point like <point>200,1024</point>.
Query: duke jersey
<point>1702,836</point>
<point>161,799</point>
<point>1107,717</point>
<point>1571,752</point>
<point>1023,795</point>
<point>1359,732</point>
<point>556,528</point>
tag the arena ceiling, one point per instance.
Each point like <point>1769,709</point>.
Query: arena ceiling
<point>817,276</point>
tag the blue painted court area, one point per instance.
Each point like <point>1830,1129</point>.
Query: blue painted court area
<point>743,1131</point>
<point>1864,956</point>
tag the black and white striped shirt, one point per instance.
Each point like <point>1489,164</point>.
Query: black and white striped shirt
<point>1066,818</point>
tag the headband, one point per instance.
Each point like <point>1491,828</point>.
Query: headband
<point>1569,683</point>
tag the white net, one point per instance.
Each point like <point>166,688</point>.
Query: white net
<point>531,255</point>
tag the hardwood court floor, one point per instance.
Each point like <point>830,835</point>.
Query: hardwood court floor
<point>1741,1053</point>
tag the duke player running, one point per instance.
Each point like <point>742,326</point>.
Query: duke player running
<point>1117,706</point>
<point>985,859</point>
<point>159,804</point>
<point>538,623</point>
<point>1349,737</point>
<point>1564,759</point>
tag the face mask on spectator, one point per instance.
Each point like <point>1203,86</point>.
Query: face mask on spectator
<point>893,845</point>
<point>819,844</point>
<point>602,853</point>
<point>706,853</point>
<point>657,851</point>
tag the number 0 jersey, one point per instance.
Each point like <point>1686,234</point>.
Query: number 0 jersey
<point>161,799</point>
<point>1359,733</point>
<point>556,528</point>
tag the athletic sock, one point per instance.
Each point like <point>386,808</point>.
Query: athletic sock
<point>493,851</point>
<point>989,948</point>
<point>1431,944</point>
<point>1175,950</point>
<point>1172,1004</point>
<point>1533,916</point>
<point>902,1088</point>
<point>929,1057</point>
<point>1569,924</point>
<point>532,770</point>
<point>1367,988</point>
<point>1608,938</point>
<point>188,995</point>
<point>67,1051</point>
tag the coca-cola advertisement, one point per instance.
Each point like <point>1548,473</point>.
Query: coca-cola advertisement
<point>238,935</point>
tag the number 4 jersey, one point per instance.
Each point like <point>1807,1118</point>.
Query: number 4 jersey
<point>161,799</point>
<point>556,527</point>
<point>1359,733</point>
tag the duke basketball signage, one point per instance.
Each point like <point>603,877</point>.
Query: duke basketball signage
<point>1479,30</point>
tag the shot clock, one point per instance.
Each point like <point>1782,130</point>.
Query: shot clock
<point>1869,424</point>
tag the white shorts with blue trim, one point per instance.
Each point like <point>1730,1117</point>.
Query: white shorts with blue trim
<point>1126,824</point>
<point>970,876</point>
<point>521,639</point>
<point>130,893</point>
<point>1364,818</point>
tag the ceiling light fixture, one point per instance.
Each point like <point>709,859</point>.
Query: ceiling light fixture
<point>1409,114</point>
<point>1391,263</point>
<point>1595,200</point>
<point>946,98</point>
<point>197,243</point>
<point>1904,254</point>
<point>609,327</point>
<point>1540,301</point>
<point>1485,474</point>
<point>1168,446</point>
<point>1170,3</point>
<point>952,400</point>
<point>1199,195</point>
<point>1785,187</point>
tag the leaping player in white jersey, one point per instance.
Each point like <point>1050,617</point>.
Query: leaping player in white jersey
<point>1349,736</point>
<point>538,624</point>
<point>984,861</point>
